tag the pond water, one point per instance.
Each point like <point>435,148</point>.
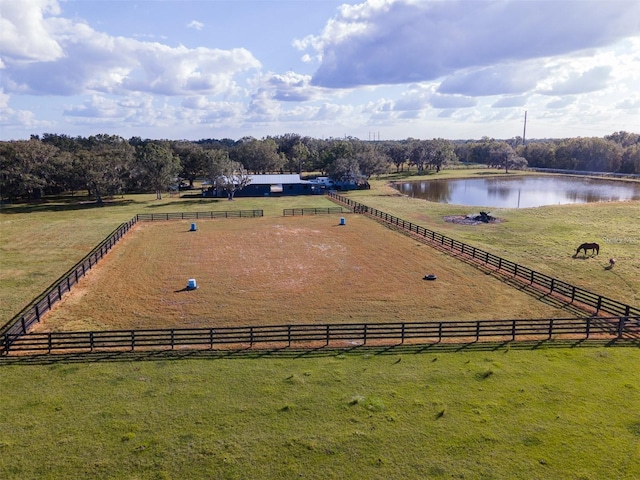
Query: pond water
<point>520,191</point>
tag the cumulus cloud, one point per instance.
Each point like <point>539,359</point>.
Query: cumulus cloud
<point>25,33</point>
<point>403,41</point>
<point>71,58</point>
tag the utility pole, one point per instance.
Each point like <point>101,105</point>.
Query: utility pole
<point>524,133</point>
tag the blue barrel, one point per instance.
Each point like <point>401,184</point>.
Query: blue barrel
<point>192,284</point>
<point>342,221</point>
<point>193,227</point>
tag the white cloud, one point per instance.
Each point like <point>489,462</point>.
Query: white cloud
<point>390,42</point>
<point>73,59</point>
<point>25,32</point>
<point>196,25</point>
<point>593,79</point>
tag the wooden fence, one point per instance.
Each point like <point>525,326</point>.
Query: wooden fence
<point>325,335</point>
<point>287,212</point>
<point>575,294</point>
<point>199,215</point>
<point>20,323</point>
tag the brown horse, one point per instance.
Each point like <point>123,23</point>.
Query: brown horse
<point>589,246</point>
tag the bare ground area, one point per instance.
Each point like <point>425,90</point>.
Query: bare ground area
<point>278,271</point>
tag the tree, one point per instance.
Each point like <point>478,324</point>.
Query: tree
<point>344,170</point>
<point>439,152</point>
<point>418,154</point>
<point>28,167</point>
<point>372,162</point>
<point>259,156</point>
<point>106,162</point>
<point>226,174</point>
<point>502,155</point>
<point>192,159</point>
<point>158,166</point>
<point>233,178</point>
<point>398,152</point>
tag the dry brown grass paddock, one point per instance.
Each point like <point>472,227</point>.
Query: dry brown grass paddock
<point>280,270</point>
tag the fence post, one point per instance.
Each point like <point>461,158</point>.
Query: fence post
<point>49,342</point>
<point>573,293</point>
<point>588,332</point>
<point>513,330</point>
<point>478,331</point>
<point>211,338</point>
<point>251,336</point>
<point>289,335</point>
<point>172,339</point>
<point>553,281</point>
<point>37,313</point>
<point>550,328</point>
<point>327,341</point>
<point>599,303</point>
<point>133,340</point>
<point>402,334</point>
<point>364,335</point>
<point>91,341</point>
<point>621,323</point>
<point>439,332</point>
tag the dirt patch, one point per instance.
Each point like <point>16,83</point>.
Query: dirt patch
<point>284,271</point>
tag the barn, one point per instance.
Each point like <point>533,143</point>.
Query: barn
<point>270,186</point>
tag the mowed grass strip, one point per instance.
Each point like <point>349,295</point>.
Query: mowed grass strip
<point>278,271</point>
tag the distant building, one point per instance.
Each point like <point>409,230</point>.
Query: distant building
<point>269,186</point>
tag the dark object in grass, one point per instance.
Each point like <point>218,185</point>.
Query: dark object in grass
<point>430,276</point>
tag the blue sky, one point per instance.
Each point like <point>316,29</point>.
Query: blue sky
<point>387,69</point>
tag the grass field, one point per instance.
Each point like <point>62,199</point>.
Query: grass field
<point>478,411</point>
<point>558,412</point>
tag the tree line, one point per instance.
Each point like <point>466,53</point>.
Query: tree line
<point>106,165</point>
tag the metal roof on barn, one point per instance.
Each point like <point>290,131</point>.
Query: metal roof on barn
<point>276,179</point>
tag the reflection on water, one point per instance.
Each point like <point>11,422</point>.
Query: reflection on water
<point>521,192</point>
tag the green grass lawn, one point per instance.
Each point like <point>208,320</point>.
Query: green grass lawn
<point>561,411</point>
<point>568,411</point>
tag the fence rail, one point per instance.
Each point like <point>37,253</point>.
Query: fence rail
<point>32,313</point>
<point>324,335</point>
<point>287,212</point>
<point>198,215</point>
<point>576,294</point>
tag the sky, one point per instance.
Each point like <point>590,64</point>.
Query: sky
<point>373,70</point>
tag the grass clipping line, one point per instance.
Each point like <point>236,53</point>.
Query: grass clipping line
<point>272,271</point>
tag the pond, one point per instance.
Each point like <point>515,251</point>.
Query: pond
<point>520,191</point>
